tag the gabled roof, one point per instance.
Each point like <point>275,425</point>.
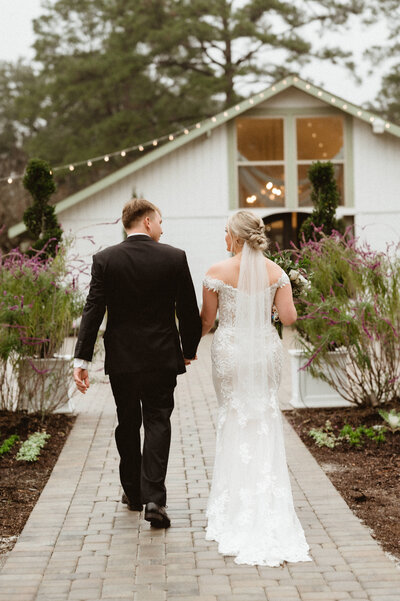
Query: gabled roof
<point>208,125</point>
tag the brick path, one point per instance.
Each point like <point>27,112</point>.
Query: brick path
<point>80,543</point>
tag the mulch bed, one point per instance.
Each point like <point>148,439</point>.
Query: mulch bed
<point>22,482</point>
<point>368,478</point>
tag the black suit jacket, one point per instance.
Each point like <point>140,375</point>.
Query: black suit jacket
<point>142,284</point>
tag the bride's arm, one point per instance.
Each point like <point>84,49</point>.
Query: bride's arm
<point>208,310</point>
<point>284,303</point>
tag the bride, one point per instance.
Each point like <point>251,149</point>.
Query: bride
<point>250,510</point>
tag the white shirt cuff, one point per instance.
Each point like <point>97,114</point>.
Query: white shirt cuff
<point>82,363</point>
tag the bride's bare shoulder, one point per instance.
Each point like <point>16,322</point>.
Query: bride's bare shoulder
<point>219,270</point>
<point>274,271</point>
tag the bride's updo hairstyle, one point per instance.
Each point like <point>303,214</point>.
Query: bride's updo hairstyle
<point>244,226</point>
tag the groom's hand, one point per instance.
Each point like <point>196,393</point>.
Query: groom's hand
<point>81,377</point>
<point>188,361</point>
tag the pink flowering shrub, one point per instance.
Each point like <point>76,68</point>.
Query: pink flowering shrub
<point>352,304</point>
<point>39,301</point>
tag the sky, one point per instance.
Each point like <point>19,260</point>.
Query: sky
<point>16,38</point>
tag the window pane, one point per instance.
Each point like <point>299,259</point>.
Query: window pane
<point>262,186</point>
<point>319,138</point>
<point>305,186</point>
<point>260,139</point>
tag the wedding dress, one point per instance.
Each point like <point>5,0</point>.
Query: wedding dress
<point>250,509</point>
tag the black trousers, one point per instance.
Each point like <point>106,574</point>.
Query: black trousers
<point>148,397</point>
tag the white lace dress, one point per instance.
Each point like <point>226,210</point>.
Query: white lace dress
<point>250,510</point>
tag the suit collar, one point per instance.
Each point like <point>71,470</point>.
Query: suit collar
<point>143,237</point>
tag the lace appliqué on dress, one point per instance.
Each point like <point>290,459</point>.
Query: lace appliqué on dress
<point>250,510</point>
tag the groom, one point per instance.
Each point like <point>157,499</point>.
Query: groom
<point>143,285</point>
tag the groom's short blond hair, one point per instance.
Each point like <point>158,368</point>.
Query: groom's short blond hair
<point>135,209</point>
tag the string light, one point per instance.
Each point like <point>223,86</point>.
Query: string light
<point>251,199</point>
<point>141,147</point>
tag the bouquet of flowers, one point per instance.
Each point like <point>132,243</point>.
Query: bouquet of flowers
<point>296,268</point>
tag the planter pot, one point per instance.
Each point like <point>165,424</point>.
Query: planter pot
<point>307,391</point>
<point>44,385</point>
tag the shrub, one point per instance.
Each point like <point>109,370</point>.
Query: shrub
<point>352,307</point>
<point>325,198</point>
<point>39,301</point>
<point>40,218</point>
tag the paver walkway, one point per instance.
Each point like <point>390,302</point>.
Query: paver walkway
<point>80,543</point>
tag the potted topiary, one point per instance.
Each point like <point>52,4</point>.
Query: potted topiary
<point>40,218</point>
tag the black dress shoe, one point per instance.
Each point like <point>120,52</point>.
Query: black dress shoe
<point>157,516</point>
<point>131,505</point>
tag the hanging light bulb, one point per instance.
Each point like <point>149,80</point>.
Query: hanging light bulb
<point>269,185</point>
<point>213,119</point>
<point>141,148</point>
<point>89,163</point>
<point>251,199</point>
<point>198,125</point>
<point>106,158</point>
<point>71,167</point>
<point>170,137</point>
<point>10,180</point>
<point>186,131</point>
<point>155,142</point>
<point>123,153</point>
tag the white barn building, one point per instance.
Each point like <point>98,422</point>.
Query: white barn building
<point>256,155</point>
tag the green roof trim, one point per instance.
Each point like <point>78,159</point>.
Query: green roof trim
<point>208,125</point>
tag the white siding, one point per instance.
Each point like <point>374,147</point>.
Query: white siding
<point>376,185</point>
<point>292,98</point>
<point>190,186</point>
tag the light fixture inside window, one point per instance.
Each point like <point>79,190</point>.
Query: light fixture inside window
<point>251,199</point>
<point>269,185</point>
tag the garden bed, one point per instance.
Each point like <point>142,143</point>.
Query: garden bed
<point>368,478</point>
<point>22,482</point>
